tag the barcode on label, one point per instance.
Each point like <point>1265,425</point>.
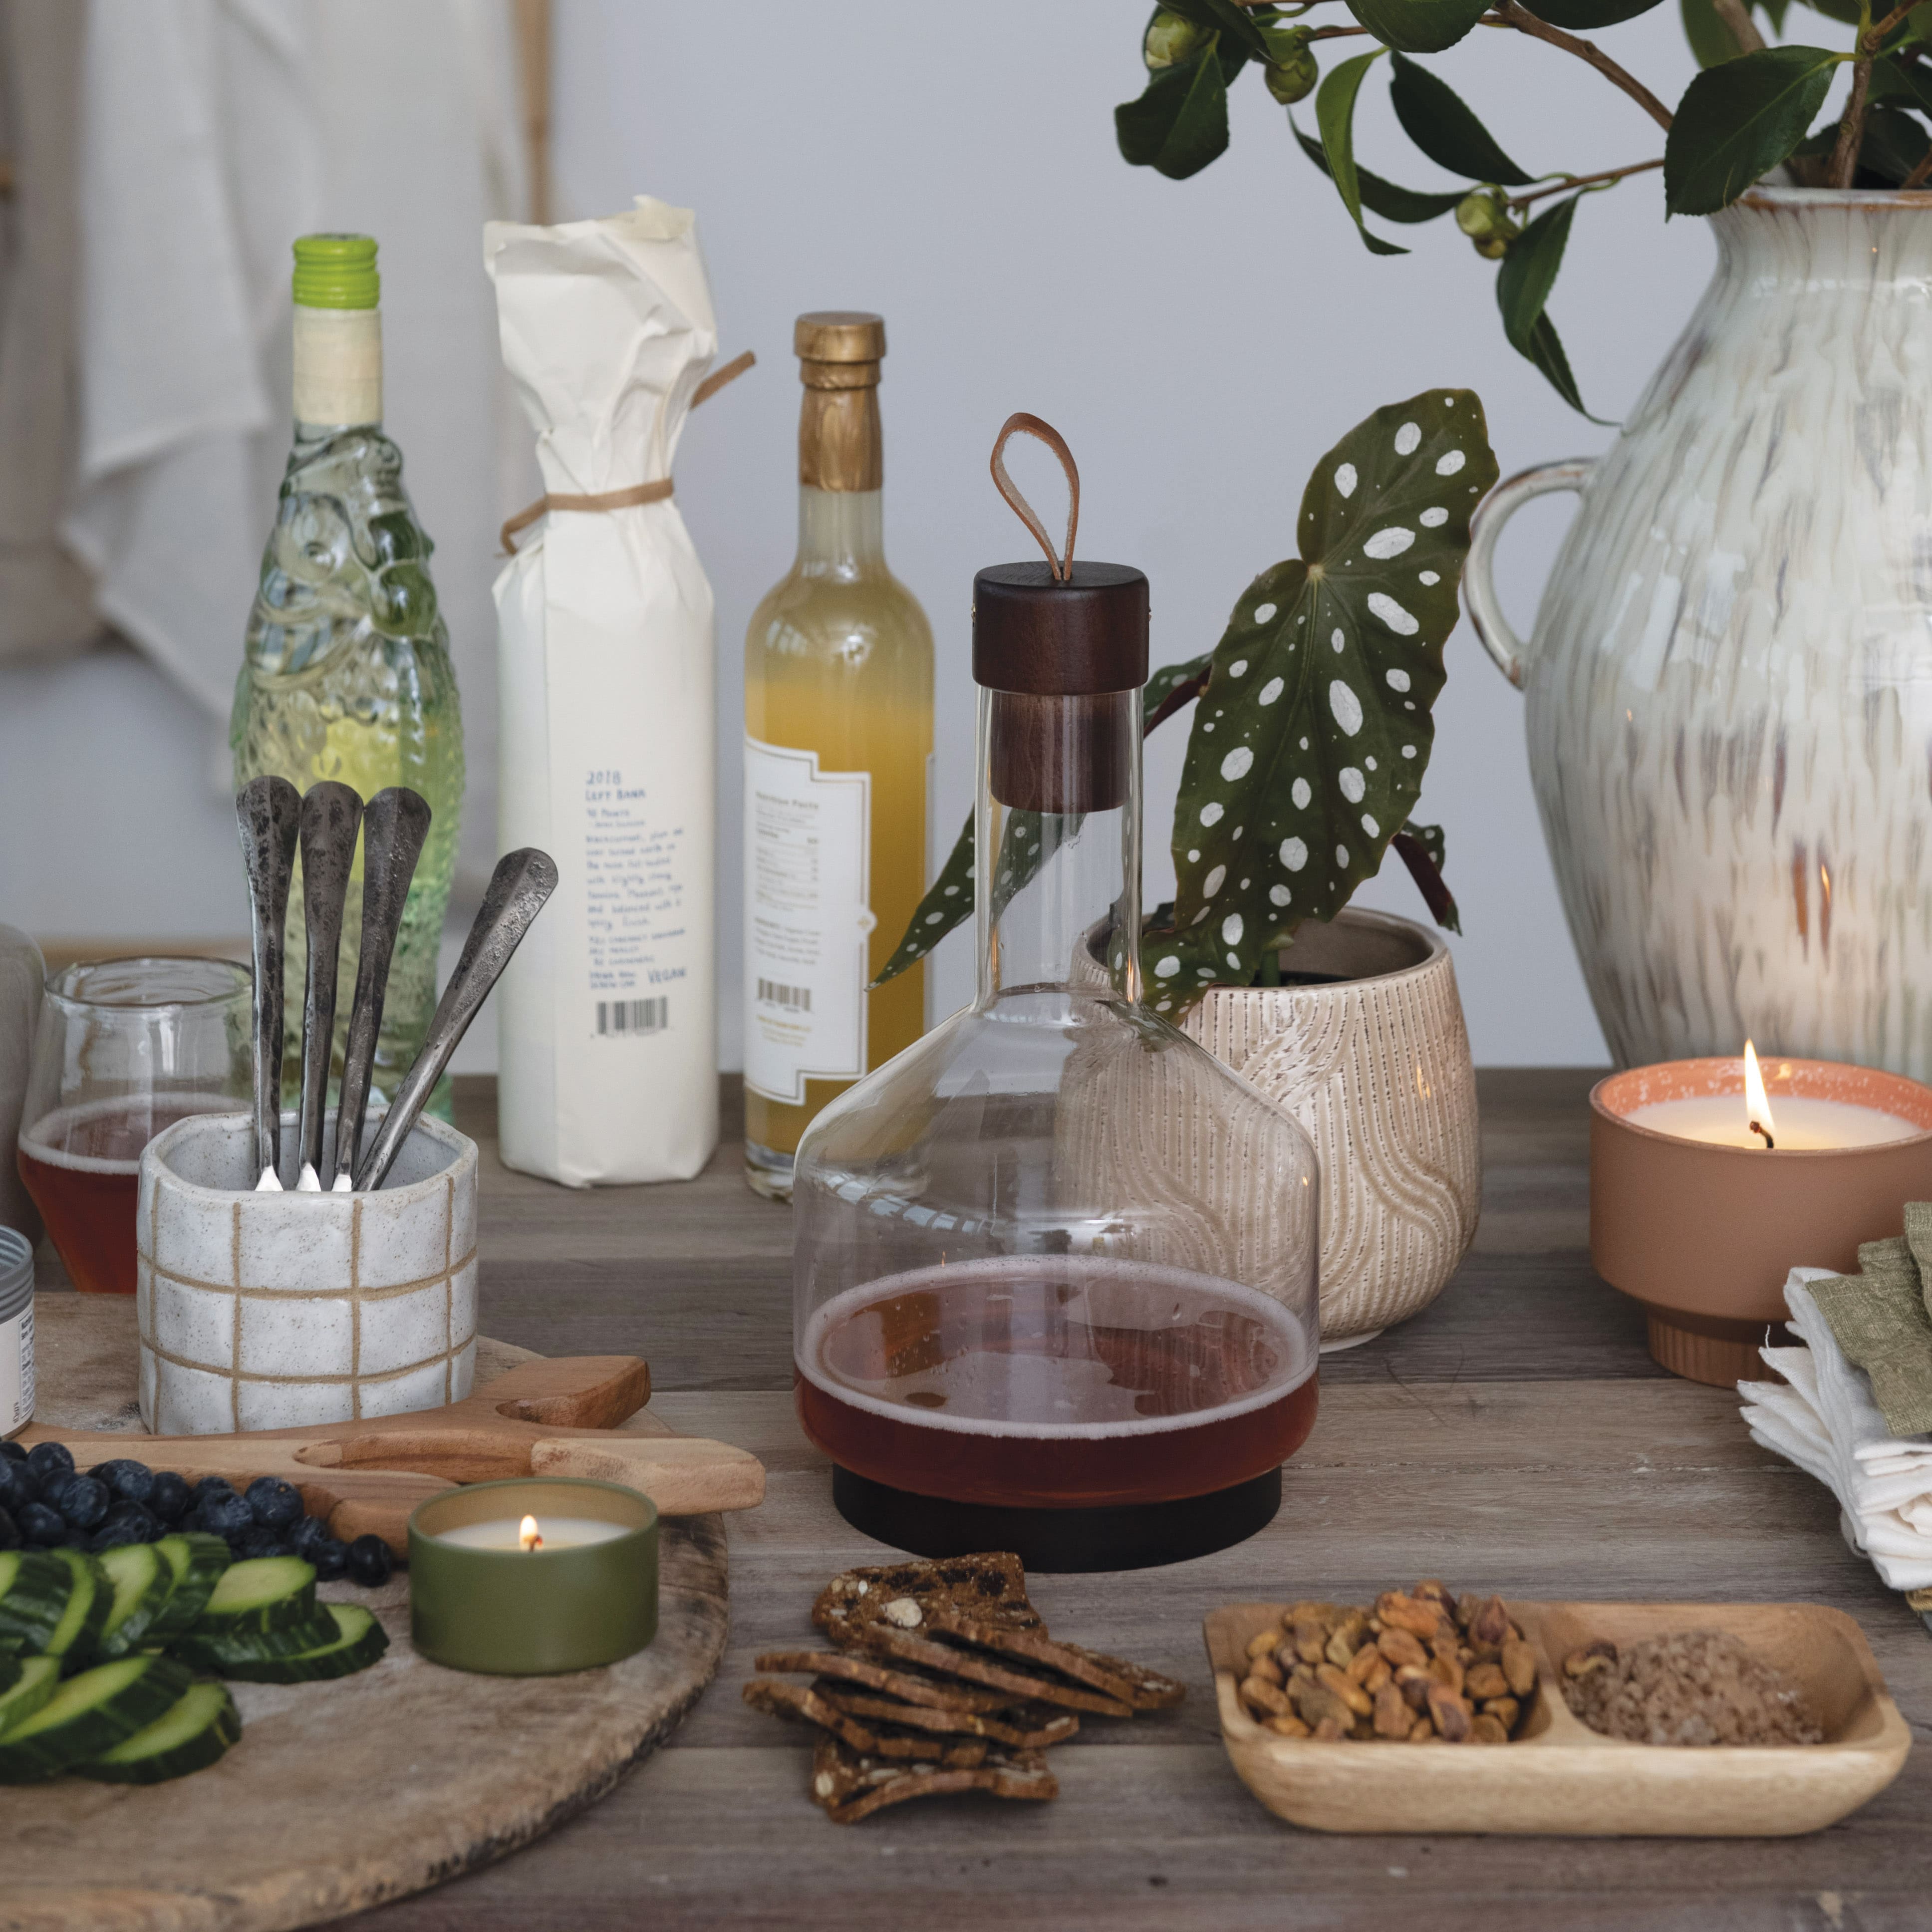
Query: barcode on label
<point>799,998</point>
<point>627,1016</point>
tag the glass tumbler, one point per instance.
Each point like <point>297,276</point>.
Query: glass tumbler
<point>125,1048</point>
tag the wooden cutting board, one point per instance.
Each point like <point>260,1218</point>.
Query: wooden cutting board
<point>577,1415</point>
<point>340,1796</point>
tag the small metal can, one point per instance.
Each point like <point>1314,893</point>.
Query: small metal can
<point>16,1332</point>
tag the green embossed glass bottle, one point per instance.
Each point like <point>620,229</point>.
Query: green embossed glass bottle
<point>346,671</point>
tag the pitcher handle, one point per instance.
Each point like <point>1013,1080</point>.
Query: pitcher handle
<point>1485,526</point>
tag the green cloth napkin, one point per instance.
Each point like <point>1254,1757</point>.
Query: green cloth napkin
<point>1882,1318</point>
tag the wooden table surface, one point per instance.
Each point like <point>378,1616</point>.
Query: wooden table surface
<point>1516,1436</point>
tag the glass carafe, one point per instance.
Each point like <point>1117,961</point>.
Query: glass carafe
<point>1054,1276</point>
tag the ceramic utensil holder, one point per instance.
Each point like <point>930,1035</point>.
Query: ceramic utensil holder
<point>277,1310</point>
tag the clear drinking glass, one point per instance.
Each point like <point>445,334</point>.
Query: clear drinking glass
<point>124,1049</point>
<point>1055,1275</point>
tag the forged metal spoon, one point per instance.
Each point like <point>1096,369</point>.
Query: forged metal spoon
<point>395,823</point>
<point>521,883</point>
<point>331,815</point>
<point>268,812</point>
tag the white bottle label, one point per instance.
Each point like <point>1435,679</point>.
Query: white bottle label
<point>16,1371</point>
<point>635,920</point>
<point>808,920</point>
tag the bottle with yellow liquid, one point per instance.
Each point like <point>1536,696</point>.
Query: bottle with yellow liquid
<point>838,741</point>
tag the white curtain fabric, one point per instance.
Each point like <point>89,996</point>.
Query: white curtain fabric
<point>209,134</point>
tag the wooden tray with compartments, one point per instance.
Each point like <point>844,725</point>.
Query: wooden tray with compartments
<point>1559,1777</point>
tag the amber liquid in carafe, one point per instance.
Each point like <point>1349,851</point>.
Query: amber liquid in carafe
<point>1056,1382</point>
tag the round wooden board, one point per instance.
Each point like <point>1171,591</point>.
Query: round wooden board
<point>339,1795</point>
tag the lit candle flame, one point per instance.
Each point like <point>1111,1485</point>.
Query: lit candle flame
<point>1757,1103</point>
<point>531,1537</point>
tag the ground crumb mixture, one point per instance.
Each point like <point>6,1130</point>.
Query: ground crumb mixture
<point>1700,1687</point>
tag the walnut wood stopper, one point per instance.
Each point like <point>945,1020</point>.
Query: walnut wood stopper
<point>839,443</point>
<point>1063,659</point>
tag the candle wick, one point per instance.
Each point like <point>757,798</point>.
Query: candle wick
<point>1769,1142</point>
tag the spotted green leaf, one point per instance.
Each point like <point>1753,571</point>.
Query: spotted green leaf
<point>1309,743</point>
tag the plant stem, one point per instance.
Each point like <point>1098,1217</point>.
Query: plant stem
<point>1743,29</point>
<point>1509,13</point>
<point>1852,128</point>
<point>1181,694</point>
<point>1334,33</point>
<point>1875,39</point>
<point>1917,177</point>
<point>1583,181</point>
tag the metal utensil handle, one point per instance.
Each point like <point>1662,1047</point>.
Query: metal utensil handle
<point>331,816</point>
<point>267,813</point>
<point>521,883</point>
<point>395,823</point>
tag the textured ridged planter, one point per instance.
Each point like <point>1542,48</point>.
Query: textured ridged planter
<point>1375,1065</point>
<point>1730,679</point>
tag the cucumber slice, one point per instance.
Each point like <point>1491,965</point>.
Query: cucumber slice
<point>79,1630</point>
<point>198,1561</point>
<point>38,1680</point>
<point>359,1640</point>
<point>89,1714</point>
<point>198,1729</point>
<point>34,1587</point>
<point>213,1648</point>
<point>263,1593</point>
<point>140,1581</point>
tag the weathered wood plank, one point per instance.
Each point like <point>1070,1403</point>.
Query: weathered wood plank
<point>1517,1435</point>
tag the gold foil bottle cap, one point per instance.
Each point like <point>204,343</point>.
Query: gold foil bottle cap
<point>839,349</point>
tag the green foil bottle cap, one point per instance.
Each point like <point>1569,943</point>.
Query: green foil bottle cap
<point>337,272</point>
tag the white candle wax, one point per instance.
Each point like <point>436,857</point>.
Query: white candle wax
<point>559,1532</point>
<point>1798,1124</point>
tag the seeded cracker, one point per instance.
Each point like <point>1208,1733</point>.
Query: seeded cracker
<point>1025,1727</point>
<point>851,1785</point>
<point>1130,1684</point>
<point>914,1686</point>
<point>874,1740</point>
<point>882,1641</point>
<point>991,1588</point>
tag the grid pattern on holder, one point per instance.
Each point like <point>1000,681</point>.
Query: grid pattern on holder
<point>366,1337</point>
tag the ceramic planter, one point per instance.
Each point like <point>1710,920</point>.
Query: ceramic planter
<point>1730,679</point>
<point>274,1311</point>
<point>1373,1061</point>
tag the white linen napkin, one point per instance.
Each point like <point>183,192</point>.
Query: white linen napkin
<point>1822,1417</point>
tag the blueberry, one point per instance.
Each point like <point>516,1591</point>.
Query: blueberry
<point>131,1481</point>
<point>129,1524</point>
<point>331,1559</point>
<point>211,1486</point>
<point>274,1503</point>
<point>48,1459</point>
<point>170,1498</point>
<point>9,1531</point>
<point>370,1561</point>
<point>12,1451</point>
<point>305,1531</point>
<point>224,1513</point>
<point>17,1485</point>
<point>42,1525</point>
<point>82,1501</point>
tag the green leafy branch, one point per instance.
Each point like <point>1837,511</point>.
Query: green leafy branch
<point>1749,110</point>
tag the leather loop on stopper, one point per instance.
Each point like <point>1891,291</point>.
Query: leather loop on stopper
<point>1020,420</point>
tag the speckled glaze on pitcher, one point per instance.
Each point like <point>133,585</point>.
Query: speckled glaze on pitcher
<point>1730,679</point>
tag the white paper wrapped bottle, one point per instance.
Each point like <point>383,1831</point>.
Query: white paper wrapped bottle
<point>607,1019</point>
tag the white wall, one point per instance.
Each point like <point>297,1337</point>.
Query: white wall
<point>1200,343</point>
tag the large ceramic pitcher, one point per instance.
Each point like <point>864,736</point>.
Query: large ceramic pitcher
<point>1730,680</point>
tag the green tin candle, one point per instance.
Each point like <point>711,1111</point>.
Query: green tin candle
<point>533,1577</point>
